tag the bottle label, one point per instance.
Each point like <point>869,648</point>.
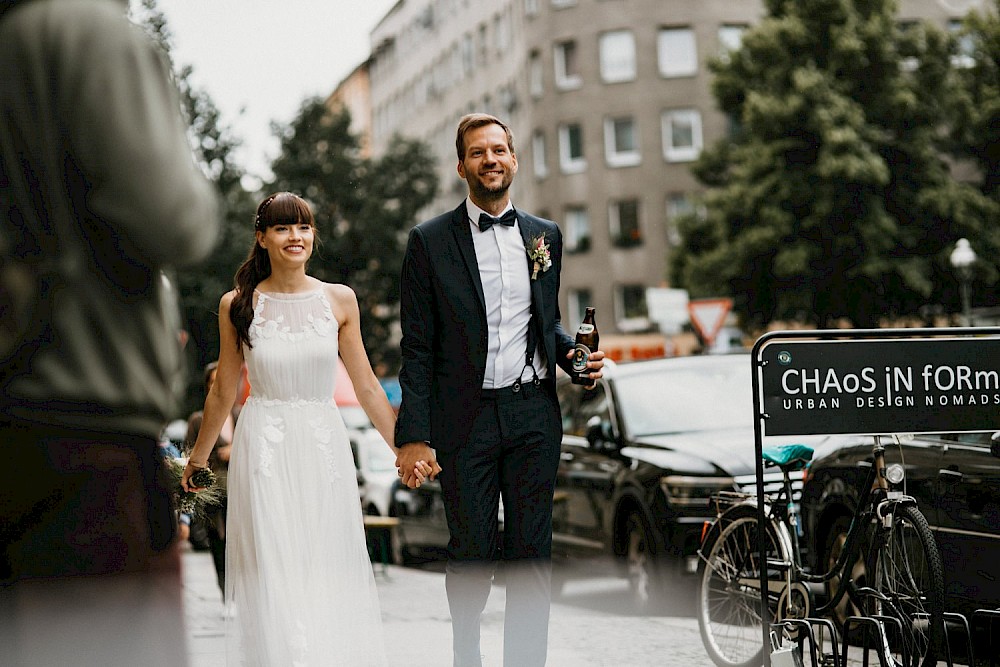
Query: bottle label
<point>585,329</point>
<point>580,357</point>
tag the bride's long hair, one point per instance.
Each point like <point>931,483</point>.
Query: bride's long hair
<point>280,208</point>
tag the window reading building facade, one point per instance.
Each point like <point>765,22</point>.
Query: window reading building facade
<point>623,222</point>
<point>577,229</point>
<point>617,53</point>
<point>538,157</point>
<point>630,308</point>
<point>730,39</point>
<point>571,156</point>
<point>676,52</point>
<point>681,135</point>
<point>536,85</point>
<point>678,204</point>
<point>578,300</point>
<point>566,60</point>
<point>621,142</point>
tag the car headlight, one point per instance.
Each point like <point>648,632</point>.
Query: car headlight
<point>688,490</point>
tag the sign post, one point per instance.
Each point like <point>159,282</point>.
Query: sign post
<point>870,382</point>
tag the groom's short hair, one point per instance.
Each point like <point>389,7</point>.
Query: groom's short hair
<point>472,121</point>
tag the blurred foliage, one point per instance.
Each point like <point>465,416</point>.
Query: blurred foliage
<point>831,197</point>
<point>976,99</point>
<point>364,209</point>
<point>214,147</point>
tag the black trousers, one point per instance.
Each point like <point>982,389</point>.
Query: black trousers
<point>512,453</point>
<point>89,569</point>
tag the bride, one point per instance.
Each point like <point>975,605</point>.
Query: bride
<point>298,570</point>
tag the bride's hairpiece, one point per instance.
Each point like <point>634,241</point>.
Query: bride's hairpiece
<point>260,211</point>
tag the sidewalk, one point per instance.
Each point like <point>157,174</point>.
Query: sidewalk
<point>415,614</point>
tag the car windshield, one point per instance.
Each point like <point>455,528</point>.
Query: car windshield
<point>702,397</point>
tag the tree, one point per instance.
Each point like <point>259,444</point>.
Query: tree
<point>363,210</point>
<point>214,146</point>
<point>976,102</point>
<point>830,198</point>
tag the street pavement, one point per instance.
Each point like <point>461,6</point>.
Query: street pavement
<point>583,632</point>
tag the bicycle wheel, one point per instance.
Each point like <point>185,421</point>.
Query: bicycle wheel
<point>909,578</point>
<point>729,588</point>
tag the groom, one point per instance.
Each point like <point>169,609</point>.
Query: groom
<point>481,339</point>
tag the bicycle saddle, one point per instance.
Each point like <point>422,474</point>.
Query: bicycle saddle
<point>788,457</point>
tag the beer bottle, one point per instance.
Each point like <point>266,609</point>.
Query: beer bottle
<point>587,339</point>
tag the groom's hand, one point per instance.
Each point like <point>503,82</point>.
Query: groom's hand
<point>407,458</point>
<point>594,364</point>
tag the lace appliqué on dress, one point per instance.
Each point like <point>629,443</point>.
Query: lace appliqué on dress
<point>323,433</point>
<point>263,327</point>
<point>273,434</point>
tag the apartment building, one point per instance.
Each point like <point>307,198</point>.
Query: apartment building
<point>610,104</point>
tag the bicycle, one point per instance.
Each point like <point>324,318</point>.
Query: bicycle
<point>903,573</point>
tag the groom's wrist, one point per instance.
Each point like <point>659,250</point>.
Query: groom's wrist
<point>415,442</point>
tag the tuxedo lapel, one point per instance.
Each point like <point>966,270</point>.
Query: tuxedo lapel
<point>463,237</point>
<point>528,233</point>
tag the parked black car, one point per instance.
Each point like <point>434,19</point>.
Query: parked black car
<point>955,479</point>
<point>641,455</point>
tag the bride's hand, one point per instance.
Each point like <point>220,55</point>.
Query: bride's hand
<point>421,471</point>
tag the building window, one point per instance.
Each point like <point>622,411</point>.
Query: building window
<point>676,52</point>
<point>530,7</point>
<point>468,55</point>
<point>502,31</point>
<point>617,53</point>
<point>571,156</point>
<point>623,221</point>
<point>681,135</point>
<point>621,142</point>
<point>558,4</point>
<point>538,160</point>
<point>577,229</point>
<point>579,301</point>
<point>536,86</point>
<point>730,39</point>
<point>679,204</point>
<point>966,55</point>
<point>567,65</point>
<point>630,308</point>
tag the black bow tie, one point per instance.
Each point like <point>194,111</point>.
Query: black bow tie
<point>486,220</point>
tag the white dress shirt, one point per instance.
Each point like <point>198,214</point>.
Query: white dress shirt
<point>503,269</point>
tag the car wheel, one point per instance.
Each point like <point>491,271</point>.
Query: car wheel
<point>833,545</point>
<point>641,565</point>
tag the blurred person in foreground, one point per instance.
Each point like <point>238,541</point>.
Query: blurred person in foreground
<point>481,339</point>
<point>297,563</point>
<point>99,197</point>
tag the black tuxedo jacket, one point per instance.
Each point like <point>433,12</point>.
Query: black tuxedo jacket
<point>443,319</point>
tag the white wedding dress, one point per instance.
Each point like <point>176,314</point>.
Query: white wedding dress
<point>297,566</point>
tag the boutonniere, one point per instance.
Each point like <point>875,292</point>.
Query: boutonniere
<point>538,252</point>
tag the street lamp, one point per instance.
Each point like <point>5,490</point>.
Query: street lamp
<point>963,257</point>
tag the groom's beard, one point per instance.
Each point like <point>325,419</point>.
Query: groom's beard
<point>484,193</point>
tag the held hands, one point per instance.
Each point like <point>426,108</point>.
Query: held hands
<point>416,463</point>
<point>595,363</point>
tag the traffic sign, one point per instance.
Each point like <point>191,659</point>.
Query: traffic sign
<point>708,315</point>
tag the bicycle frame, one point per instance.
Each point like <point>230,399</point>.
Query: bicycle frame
<point>875,508</point>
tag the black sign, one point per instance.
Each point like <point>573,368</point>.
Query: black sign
<point>866,387</point>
